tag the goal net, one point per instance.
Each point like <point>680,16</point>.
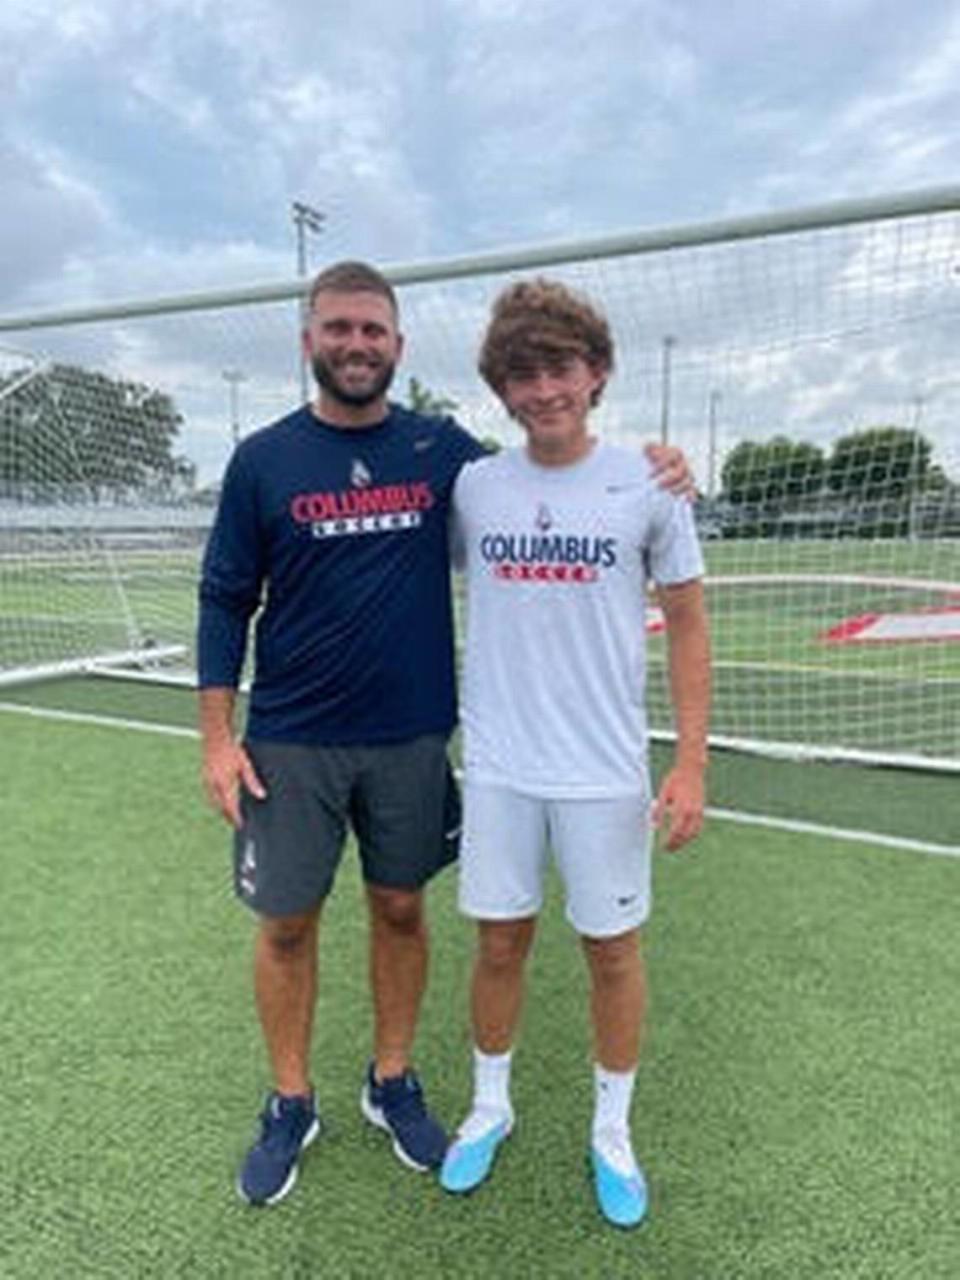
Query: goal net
<point>97,550</point>
<point>806,364</point>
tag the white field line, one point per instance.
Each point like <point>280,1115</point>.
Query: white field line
<point>721,815</point>
<point>105,722</point>
<point>834,833</point>
<point>840,579</point>
<point>809,669</point>
<point>88,666</point>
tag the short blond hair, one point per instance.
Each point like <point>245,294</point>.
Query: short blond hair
<point>353,277</point>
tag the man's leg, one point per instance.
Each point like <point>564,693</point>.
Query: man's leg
<point>285,982</point>
<point>617,1005</point>
<point>501,886</point>
<point>285,862</point>
<point>496,993</point>
<point>399,951</point>
<point>397,807</point>
<point>392,1098</point>
<point>618,999</point>
<point>603,850</point>
<point>496,1000</point>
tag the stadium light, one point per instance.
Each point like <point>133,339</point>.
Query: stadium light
<point>233,378</point>
<point>715,398</point>
<point>914,475</point>
<point>669,342</point>
<point>305,218</point>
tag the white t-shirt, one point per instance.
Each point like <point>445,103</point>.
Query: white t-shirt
<point>557,562</point>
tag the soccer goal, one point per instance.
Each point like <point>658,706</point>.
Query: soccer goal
<point>96,556</point>
<point>805,361</point>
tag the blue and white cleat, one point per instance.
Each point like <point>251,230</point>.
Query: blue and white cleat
<point>470,1157</point>
<point>620,1186</point>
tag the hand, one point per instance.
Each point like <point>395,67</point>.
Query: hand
<point>227,767</point>
<point>671,469</point>
<point>681,800</point>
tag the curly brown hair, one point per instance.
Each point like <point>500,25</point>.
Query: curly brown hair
<point>539,321</point>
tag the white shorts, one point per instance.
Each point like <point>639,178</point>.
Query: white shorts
<point>601,849</point>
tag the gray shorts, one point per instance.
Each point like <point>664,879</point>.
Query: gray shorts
<point>400,799</point>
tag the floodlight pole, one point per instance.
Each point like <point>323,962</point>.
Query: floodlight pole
<point>233,378</point>
<point>669,342</point>
<point>305,218</point>
<point>914,475</point>
<point>714,402</point>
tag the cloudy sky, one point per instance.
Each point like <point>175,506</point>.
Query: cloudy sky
<point>155,147</point>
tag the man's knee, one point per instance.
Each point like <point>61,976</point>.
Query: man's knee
<point>613,960</point>
<point>287,937</point>
<point>399,910</point>
<point>504,944</point>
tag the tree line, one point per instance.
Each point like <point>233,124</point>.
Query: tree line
<point>68,431</point>
<point>877,464</point>
<point>76,431</point>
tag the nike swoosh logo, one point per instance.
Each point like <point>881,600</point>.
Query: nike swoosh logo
<point>425,443</point>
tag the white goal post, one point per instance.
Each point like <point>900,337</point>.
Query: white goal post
<point>804,360</point>
<point>67,605</point>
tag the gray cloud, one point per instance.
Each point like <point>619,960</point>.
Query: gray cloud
<point>155,148</point>
<point>48,219</point>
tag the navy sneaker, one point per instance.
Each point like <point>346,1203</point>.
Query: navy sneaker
<point>396,1105</point>
<point>287,1126</point>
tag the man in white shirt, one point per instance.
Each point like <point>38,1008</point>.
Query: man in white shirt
<point>559,540</point>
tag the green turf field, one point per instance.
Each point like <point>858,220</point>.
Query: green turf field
<point>80,602</point>
<point>796,1108</point>
<point>775,676</point>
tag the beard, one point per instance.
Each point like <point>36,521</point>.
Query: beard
<point>329,380</point>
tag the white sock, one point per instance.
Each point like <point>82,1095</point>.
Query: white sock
<point>491,1080</point>
<point>613,1095</point>
<point>617,1149</point>
<point>491,1094</point>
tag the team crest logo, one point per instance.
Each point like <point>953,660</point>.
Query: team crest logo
<point>360,476</point>
<point>544,519</point>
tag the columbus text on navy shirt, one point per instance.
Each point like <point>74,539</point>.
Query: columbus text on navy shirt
<point>338,536</point>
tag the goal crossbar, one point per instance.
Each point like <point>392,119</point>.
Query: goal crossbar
<point>803,359</point>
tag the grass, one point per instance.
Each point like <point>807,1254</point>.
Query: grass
<point>794,1107</point>
<point>914,805</point>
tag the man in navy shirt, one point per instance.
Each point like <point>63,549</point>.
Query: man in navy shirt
<point>332,529</point>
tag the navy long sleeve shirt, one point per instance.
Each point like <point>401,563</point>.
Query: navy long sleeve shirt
<point>339,536</point>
